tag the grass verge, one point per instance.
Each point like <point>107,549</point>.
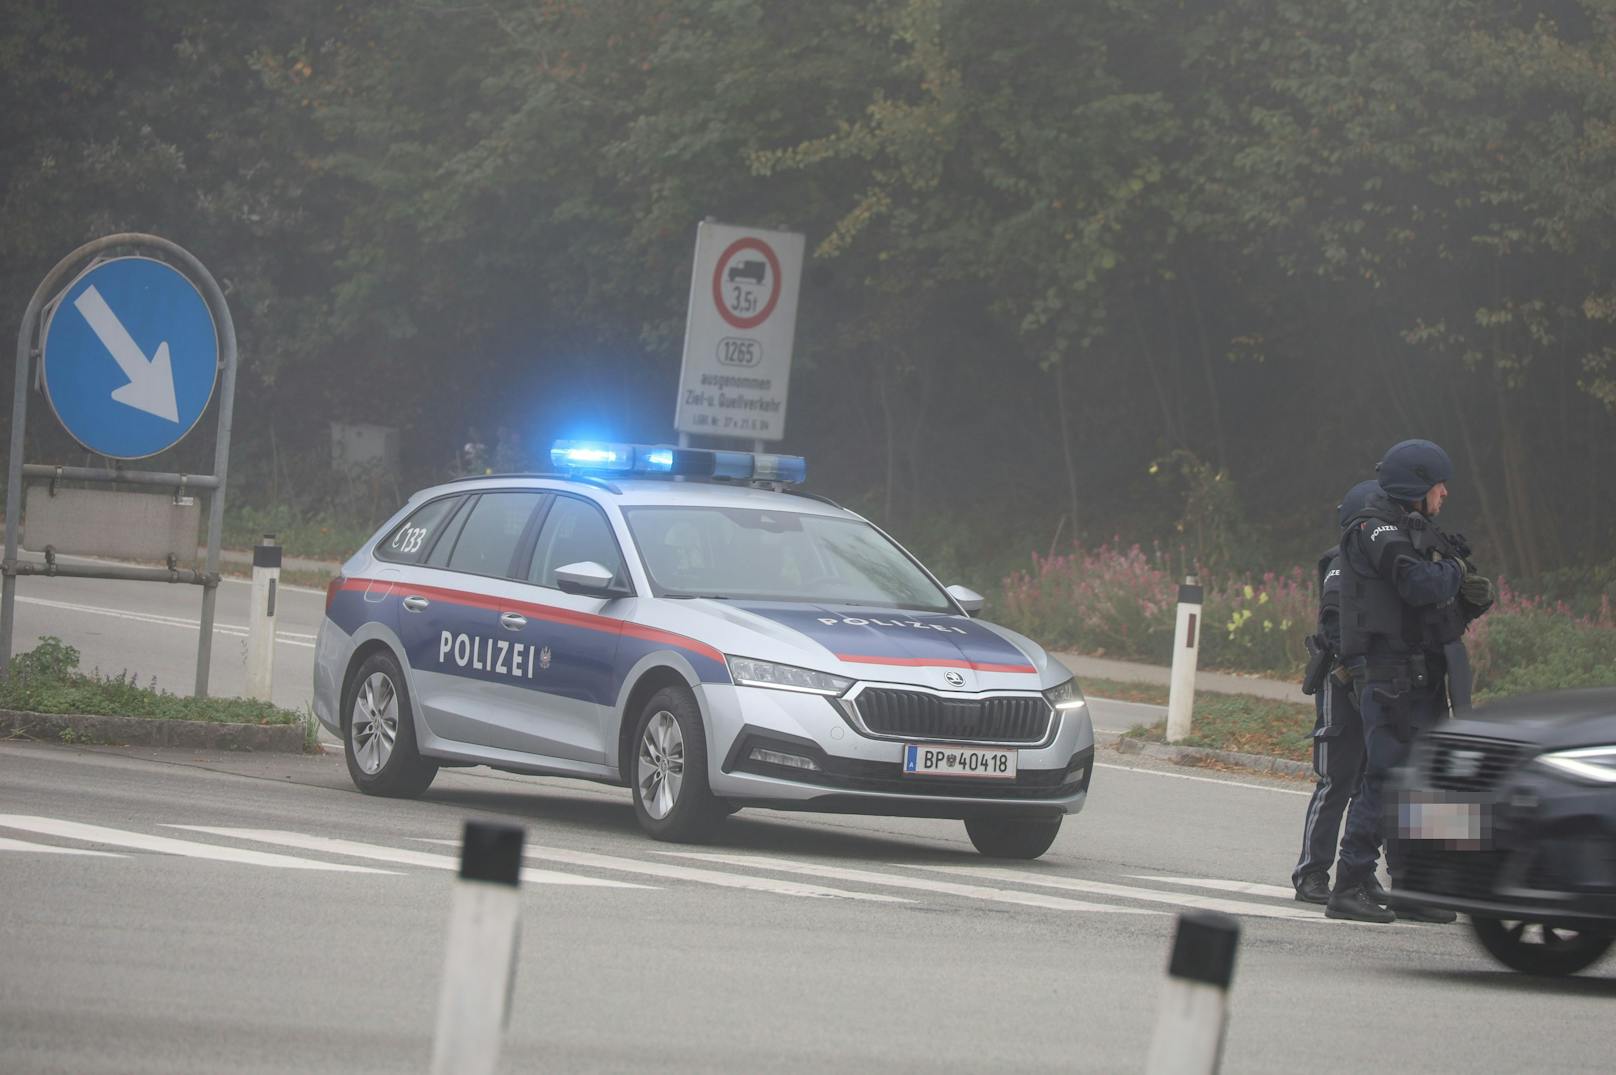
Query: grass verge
<point>46,679</point>
<point>1240,722</point>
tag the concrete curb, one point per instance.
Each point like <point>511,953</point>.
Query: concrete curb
<point>145,732</point>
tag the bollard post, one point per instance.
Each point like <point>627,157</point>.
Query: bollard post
<point>479,970</point>
<point>266,574</point>
<point>1188,1039</point>
<point>1186,648</point>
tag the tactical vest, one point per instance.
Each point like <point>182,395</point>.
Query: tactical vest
<point>1329,583</point>
<point>1371,608</point>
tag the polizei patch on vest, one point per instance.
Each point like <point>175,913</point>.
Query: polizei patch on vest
<point>1379,530</point>
<point>915,625</point>
<point>496,655</point>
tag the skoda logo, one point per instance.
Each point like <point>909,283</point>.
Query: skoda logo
<point>954,679</point>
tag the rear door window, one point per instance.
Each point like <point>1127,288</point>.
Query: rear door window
<point>413,539</point>
<point>493,532</point>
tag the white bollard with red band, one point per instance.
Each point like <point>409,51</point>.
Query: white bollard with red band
<point>1194,1011</point>
<point>266,574</point>
<point>479,970</point>
<point>1186,648</point>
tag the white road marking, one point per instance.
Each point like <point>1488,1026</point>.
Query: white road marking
<point>870,877</point>
<point>1204,779</point>
<point>8,844</point>
<point>332,846</point>
<point>1127,892</point>
<point>73,830</point>
<point>1249,888</point>
<point>288,638</point>
<point>690,873</point>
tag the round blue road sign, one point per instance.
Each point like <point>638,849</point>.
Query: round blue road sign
<point>130,357</point>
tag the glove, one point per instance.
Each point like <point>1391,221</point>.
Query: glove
<point>1477,590</point>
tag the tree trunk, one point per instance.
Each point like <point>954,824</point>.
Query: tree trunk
<point>1066,445</point>
<point>1211,380</point>
<point>1169,431</point>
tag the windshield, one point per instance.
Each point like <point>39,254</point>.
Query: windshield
<point>760,555</point>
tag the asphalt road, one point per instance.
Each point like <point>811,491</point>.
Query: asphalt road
<point>192,953</point>
<point>149,630</point>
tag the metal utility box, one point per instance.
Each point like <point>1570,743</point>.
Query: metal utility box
<point>358,446</point>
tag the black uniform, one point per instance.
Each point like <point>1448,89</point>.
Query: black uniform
<point>1338,740</point>
<point>1398,610</point>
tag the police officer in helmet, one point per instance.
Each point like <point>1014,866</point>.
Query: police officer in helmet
<point>1338,741</point>
<point>1406,593</point>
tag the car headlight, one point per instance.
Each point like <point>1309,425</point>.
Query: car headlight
<point>749,673</point>
<point>1596,765</point>
<point>1066,696</point>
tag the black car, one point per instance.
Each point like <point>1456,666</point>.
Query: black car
<point>1510,818</point>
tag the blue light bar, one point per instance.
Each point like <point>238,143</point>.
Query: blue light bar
<point>660,459</point>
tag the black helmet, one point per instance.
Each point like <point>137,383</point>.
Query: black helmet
<point>1411,467</point>
<point>1354,501</point>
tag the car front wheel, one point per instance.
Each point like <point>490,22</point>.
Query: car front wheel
<point>672,799</point>
<point>1012,837</point>
<point>378,732</point>
<point>1533,948</point>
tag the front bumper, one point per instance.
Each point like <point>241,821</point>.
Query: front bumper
<point>860,774</point>
<point>1547,854</point>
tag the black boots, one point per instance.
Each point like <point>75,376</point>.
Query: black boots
<point>1355,904</point>
<point>1313,888</point>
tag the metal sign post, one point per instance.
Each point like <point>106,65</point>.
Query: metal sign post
<point>739,332</point>
<point>128,336</point>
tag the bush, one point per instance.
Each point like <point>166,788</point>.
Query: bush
<point>1530,644</point>
<point>46,680</point>
<point>1113,602</point>
<point>1123,603</point>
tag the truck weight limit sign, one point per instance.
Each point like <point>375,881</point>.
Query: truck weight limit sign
<point>738,334</point>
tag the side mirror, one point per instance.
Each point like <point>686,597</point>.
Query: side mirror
<point>968,599</point>
<point>586,578</point>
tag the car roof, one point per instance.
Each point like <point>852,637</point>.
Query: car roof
<point>645,492</point>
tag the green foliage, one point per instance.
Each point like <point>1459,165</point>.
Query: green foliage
<point>46,679</point>
<point>1244,723</point>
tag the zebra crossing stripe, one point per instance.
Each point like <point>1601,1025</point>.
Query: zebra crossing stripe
<point>8,844</point>
<point>921,884</point>
<point>97,834</point>
<point>706,877</point>
<point>1127,892</point>
<point>1245,888</point>
<point>376,852</point>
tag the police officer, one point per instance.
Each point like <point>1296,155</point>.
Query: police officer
<point>1338,742</point>
<point>1404,596</point>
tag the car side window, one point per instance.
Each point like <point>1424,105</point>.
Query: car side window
<point>493,531</point>
<point>413,539</point>
<point>574,531</point>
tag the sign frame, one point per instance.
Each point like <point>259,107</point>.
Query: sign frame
<point>30,342</point>
<point>740,325</point>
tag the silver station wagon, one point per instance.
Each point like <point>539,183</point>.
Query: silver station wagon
<point>686,623</point>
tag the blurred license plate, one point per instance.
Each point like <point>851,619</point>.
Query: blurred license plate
<point>948,759</point>
<point>1453,822</point>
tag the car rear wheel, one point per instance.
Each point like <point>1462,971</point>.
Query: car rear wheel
<point>378,732</point>
<point>1533,948</point>
<point>1013,837</point>
<point>672,799</point>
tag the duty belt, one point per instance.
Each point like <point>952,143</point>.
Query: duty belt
<point>1411,670</point>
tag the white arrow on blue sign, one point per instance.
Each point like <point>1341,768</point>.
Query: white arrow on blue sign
<point>130,358</point>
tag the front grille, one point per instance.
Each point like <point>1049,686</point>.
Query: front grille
<point>915,714</point>
<point>1437,871</point>
<point>1462,763</point>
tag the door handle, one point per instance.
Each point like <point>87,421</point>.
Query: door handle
<point>415,603</point>
<point>511,621</point>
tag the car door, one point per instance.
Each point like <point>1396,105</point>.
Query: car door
<point>570,641</point>
<point>449,621</point>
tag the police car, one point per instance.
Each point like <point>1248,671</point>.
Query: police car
<point>686,623</point>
